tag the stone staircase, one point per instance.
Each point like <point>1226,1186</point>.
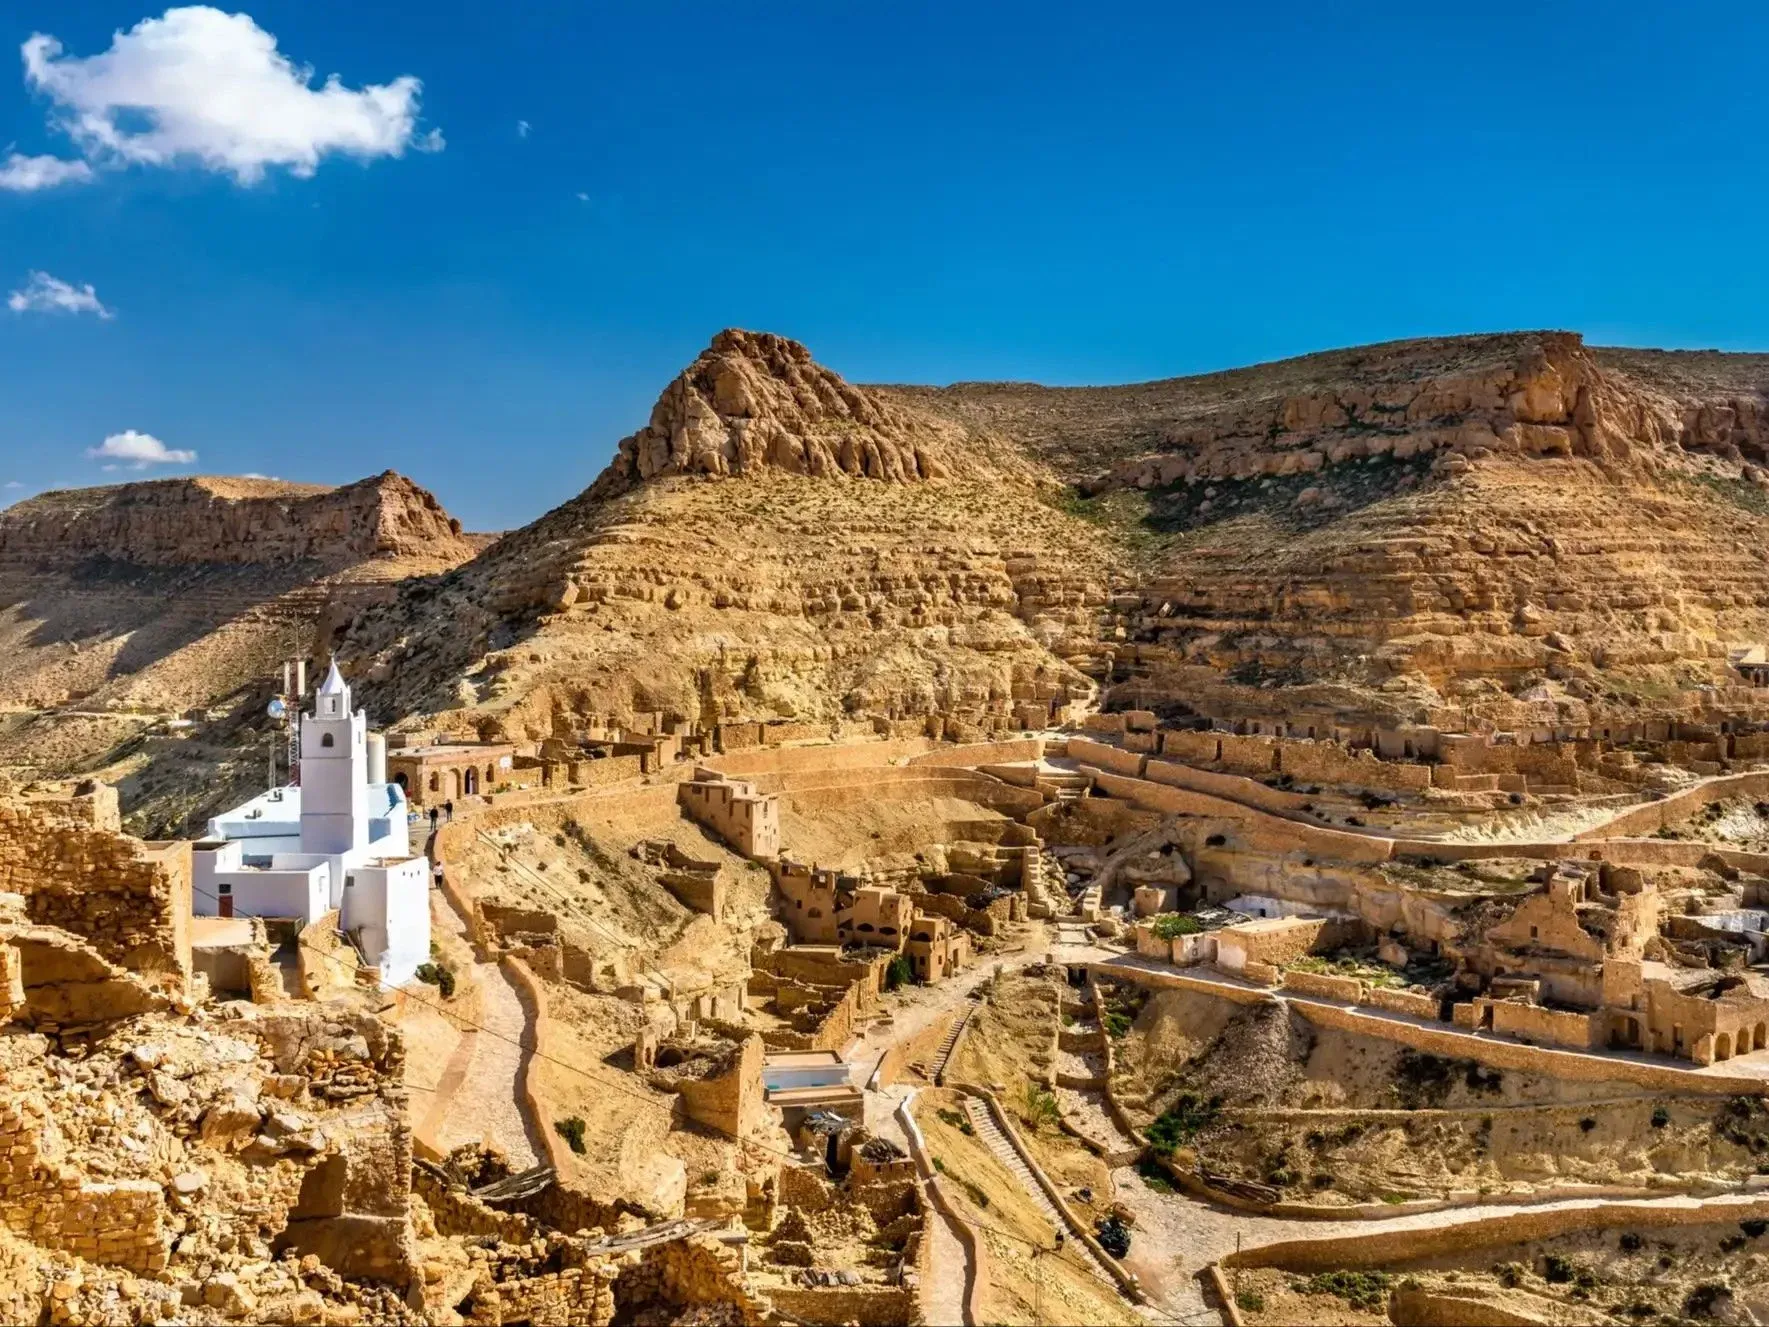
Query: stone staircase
<point>1005,1152</point>
<point>949,1042</point>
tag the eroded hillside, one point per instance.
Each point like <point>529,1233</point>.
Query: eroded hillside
<point>126,606</point>
<point>1495,530</point>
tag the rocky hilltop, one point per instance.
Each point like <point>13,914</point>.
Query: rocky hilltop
<point>230,522</point>
<point>775,543</point>
<point>754,402</point>
<point>1495,529</point>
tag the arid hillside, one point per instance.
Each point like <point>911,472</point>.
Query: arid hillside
<point>126,606</point>
<point>1489,531</point>
<point>1492,530</point>
<point>775,543</point>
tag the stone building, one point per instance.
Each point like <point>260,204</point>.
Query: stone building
<point>732,809</point>
<point>67,856</point>
<point>431,774</point>
<point>936,949</point>
<point>1578,965</point>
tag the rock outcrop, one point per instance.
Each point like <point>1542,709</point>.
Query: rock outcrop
<point>230,522</point>
<point>754,402</point>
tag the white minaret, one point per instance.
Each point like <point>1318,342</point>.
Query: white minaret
<point>334,771</point>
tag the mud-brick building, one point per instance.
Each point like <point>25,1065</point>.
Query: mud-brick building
<point>747,820</point>
<point>432,773</point>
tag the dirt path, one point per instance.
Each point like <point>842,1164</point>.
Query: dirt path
<point>487,1103</point>
<point>942,1290</point>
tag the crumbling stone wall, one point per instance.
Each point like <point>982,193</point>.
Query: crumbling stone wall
<point>77,870</point>
<point>47,1201</point>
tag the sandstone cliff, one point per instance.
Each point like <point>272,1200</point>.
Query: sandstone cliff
<point>124,605</point>
<point>230,521</point>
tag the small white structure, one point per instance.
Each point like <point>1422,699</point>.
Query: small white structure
<point>338,841</point>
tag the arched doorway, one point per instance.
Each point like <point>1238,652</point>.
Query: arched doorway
<point>1722,1046</point>
<point>404,784</point>
<point>470,783</point>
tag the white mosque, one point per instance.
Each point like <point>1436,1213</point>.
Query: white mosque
<point>338,840</point>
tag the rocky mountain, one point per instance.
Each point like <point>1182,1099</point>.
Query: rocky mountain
<point>775,542</point>
<point>1503,530</point>
<point>126,605</point>
<point>1495,529</point>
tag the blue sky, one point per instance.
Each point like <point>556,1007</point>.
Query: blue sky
<point>1069,194</point>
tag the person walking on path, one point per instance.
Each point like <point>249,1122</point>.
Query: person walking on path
<point>449,806</point>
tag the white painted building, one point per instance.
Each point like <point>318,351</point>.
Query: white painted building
<point>339,840</point>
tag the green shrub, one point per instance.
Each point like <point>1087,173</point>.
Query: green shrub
<point>1153,1176</point>
<point>1176,924</point>
<point>572,1131</point>
<point>957,1120</point>
<point>1660,1117</point>
<point>1117,1024</point>
<point>899,972</point>
<point>1041,1107</point>
<point>1248,1301</point>
<point>1557,1270</point>
<point>440,976</point>
<point>1362,1290</point>
<point>1184,1120</point>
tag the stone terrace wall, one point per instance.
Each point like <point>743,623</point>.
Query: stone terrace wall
<point>1387,1247</point>
<point>1678,806</point>
<point>79,871</point>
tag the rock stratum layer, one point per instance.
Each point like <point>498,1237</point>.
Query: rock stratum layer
<point>230,522</point>
<point>1497,529</point>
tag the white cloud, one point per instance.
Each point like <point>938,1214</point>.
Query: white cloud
<point>24,174</point>
<point>13,483</point>
<point>47,294</point>
<point>583,198</point>
<point>200,86</point>
<point>522,127</point>
<point>140,450</point>
<point>253,474</point>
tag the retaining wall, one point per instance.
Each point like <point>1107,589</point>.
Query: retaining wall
<point>1384,1248</point>
<point>554,1149</point>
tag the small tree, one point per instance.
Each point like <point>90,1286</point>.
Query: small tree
<point>899,972</point>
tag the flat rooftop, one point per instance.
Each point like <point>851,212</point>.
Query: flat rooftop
<point>801,1059</point>
<point>220,932</point>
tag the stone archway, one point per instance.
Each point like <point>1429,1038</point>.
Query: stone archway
<point>470,781</point>
<point>1722,1046</point>
<point>1762,1036</point>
